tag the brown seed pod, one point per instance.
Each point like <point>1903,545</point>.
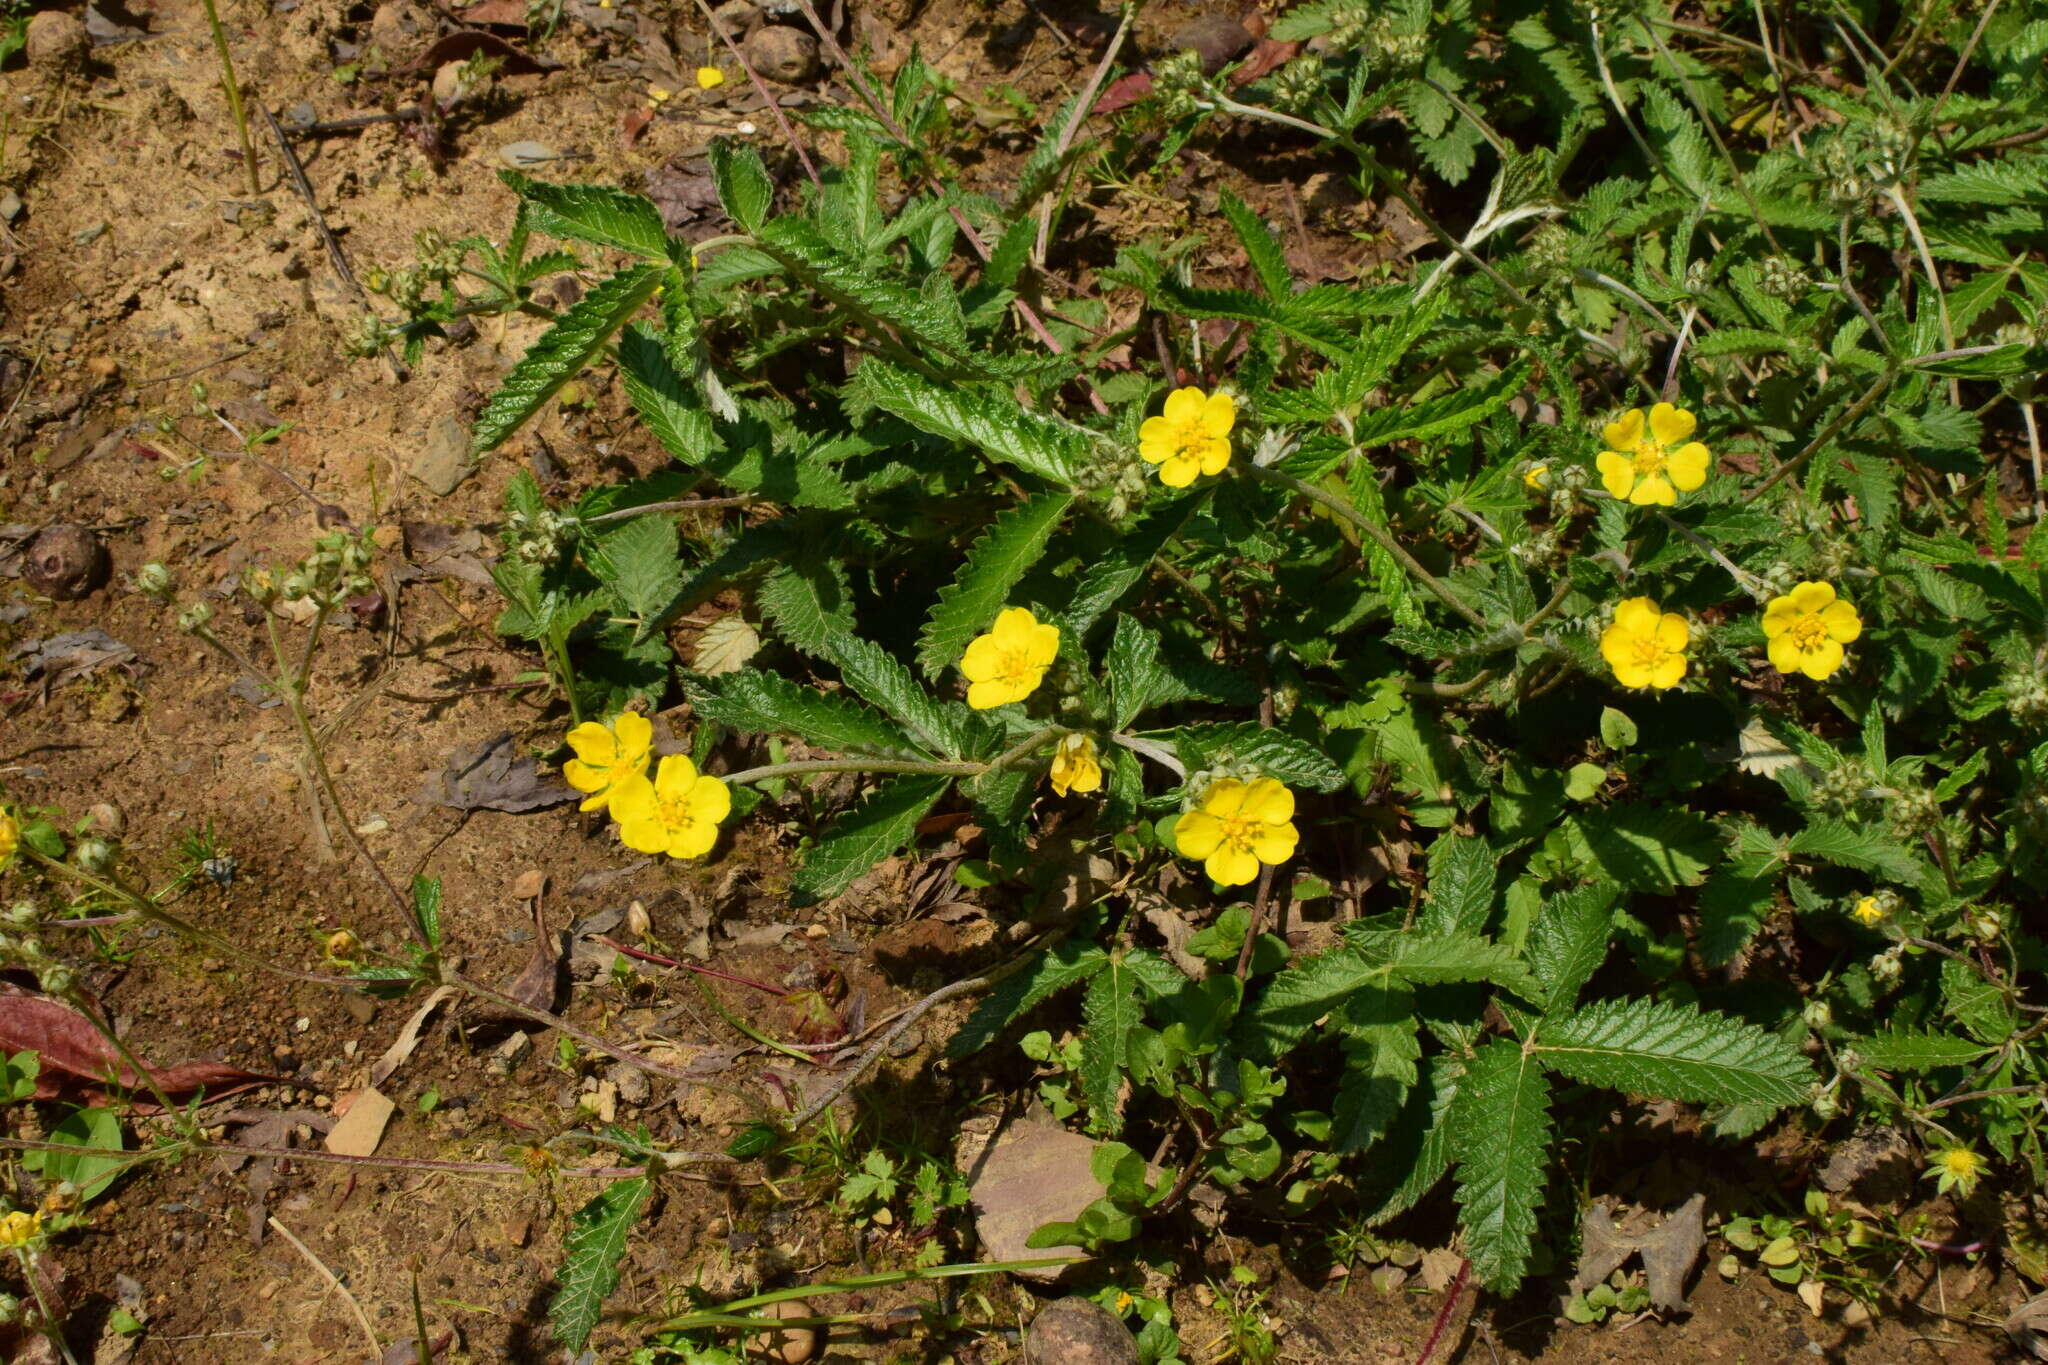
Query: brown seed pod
<point>65,562</point>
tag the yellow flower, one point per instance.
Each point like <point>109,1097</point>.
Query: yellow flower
<point>1074,767</point>
<point>1009,662</point>
<point>1191,436</point>
<point>659,94</point>
<point>342,945</point>
<point>608,756</point>
<point>1642,467</point>
<point>1237,827</point>
<point>709,78</point>
<point>676,813</point>
<point>1868,911</point>
<point>18,1228</point>
<point>1123,1301</point>
<point>10,837</point>
<point>1807,628</point>
<point>1538,478</point>
<point>1645,647</point>
<point>1958,1169</point>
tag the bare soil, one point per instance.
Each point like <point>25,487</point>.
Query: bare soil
<point>140,269</point>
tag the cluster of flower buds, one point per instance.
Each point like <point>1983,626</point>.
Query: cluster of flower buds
<point>1782,279</point>
<point>1179,84</point>
<point>1984,923</point>
<point>539,537</point>
<point>2026,696</point>
<point>1299,84</point>
<point>21,945</point>
<point>1843,788</point>
<point>1911,812</point>
<point>1887,965</point>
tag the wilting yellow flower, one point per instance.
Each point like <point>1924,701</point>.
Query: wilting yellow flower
<point>10,837</point>
<point>1645,647</point>
<point>1956,1168</point>
<point>608,756</point>
<point>342,945</point>
<point>1191,436</point>
<point>1807,628</point>
<point>676,813</point>
<point>1009,662</point>
<point>1642,467</point>
<point>1868,911</point>
<point>709,78</point>
<point>1074,767</point>
<point>18,1228</point>
<point>1236,827</point>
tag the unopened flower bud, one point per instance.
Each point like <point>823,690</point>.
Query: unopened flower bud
<point>57,979</point>
<point>153,580</point>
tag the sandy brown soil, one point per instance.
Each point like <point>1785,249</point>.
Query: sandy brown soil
<point>138,269</point>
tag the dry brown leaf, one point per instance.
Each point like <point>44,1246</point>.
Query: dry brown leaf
<point>1669,1251</point>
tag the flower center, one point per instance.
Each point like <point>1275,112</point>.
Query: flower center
<point>1649,457</point>
<point>1013,666</point>
<point>1647,652</point>
<point>675,811</point>
<point>1809,632</point>
<point>1237,831</point>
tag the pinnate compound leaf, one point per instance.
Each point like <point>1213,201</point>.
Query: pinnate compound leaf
<point>752,699</point>
<point>995,562</point>
<point>988,421</point>
<point>1908,1051</point>
<point>596,1241</point>
<point>1301,994</point>
<point>1069,964</point>
<point>562,350</point>
<point>1500,1131</point>
<point>1673,1052</point>
<point>1862,848</point>
<point>858,839</point>
<point>598,214</point>
<point>1268,259</point>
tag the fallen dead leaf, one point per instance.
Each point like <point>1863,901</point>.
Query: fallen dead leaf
<point>77,1062</point>
<point>1669,1251</point>
<point>75,654</point>
<point>408,1039</point>
<point>361,1129</point>
<point>491,776</point>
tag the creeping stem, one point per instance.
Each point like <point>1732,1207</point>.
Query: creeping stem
<point>1023,749</point>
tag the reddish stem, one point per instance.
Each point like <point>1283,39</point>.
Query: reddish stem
<point>1443,1315</point>
<point>690,966</point>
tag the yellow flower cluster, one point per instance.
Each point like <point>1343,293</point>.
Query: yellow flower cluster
<point>1191,436</point>
<point>677,811</point>
<point>1806,630</point>
<point>1236,826</point>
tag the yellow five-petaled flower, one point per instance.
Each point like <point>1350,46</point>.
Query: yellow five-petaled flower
<point>677,812</point>
<point>1074,766</point>
<point>1956,1168</point>
<point>1807,628</point>
<point>1237,826</point>
<point>1190,436</point>
<point>1008,663</point>
<point>19,1229</point>
<point>608,756</point>
<point>1645,647</point>
<point>1642,466</point>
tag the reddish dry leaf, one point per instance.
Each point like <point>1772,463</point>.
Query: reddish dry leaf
<point>503,13</point>
<point>465,43</point>
<point>78,1062</point>
<point>1267,56</point>
<point>1124,92</point>
<point>633,124</point>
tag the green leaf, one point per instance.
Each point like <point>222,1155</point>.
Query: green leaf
<point>1980,1007</point>
<point>927,324</point>
<point>1438,959</point>
<point>89,1134</point>
<point>1617,731</point>
<point>562,350</point>
<point>1069,964</point>
<point>1381,1049</point>
<point>597,214</point>
<point>1104,582</point>
<point>995,563</point>
<point>1301,994</point>
<point>858,839</point>
<point>1109,1011</point>
<point>1647,848</point>
<point>806,598</point>
<point>1673,1052</point>
<point>1733,906</point>
<point>1422,1137</point>
<point>991,423</point>
<point>758,701</point>
<point>743,185</point>
<point>638,559</point>
<point>595,1244</point>
<point>1901,1050</point>
<point>1862,847</point>
<point>876,675</point>
<point>1268,259</point>
<point>1138,678</point>
<point>426,907</point>
<point>1250,747</point>
<point>1462,872</point>
<point>1453,412</point>
<point>1290,316</point>
<point>1569,941</point>
<point>1500,1130</point>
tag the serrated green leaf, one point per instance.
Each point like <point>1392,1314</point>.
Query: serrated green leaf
<point>1500,1130</point>
<point>918,320</point>
<point>598,214</point>
<point>1073,961</point>
<point>596,1242</point>
<point>991,423</point>
<point>1381,1049</point>
<point>1104,582</point>
<point>1569,941</point>
<point>1864,848</point>
<point>1301,994</point>
<point>1453,412</point>
<point>1673,1052</point>
<point>1290,315</point>
<point>807,600</point>
<point>562,350</point>
<point>1901,1050</point>
<point>856,840</point>
<point>760,702</point>
<point>1436,959</point>
<point>1420,1138</point>
<point>1109,1011</point>
<point>1645,847</point>
<point>638,559</point>
<point>1462,872</point>
<point>1733,906</point>
<point>995,563</point>
<point>1250,747</point>
<point>742,182</point>
<point>876,675</point>
<point>1268,259</point>
<point>1980,1007</point>
<point>426,907</point>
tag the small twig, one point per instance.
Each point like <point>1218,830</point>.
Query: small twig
<point>1443,1315</point>
<point>713,972</point>
<point>1075,121</point>
<point>362,1318</point>
<point>403,114</point>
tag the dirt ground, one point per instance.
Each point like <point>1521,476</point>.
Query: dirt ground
<point>138,269</point>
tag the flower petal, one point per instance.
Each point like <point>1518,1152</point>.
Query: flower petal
<point>1274,843</point>
<point>1197,835</point>
<point>1842,621</point>
<point>584,778</point>
<point>983,695</point>
<point>1670,425</point>
<point>982,659</point>
<point>1653,491</point>
<point>644,834</point>
<point>1214,455</point>
<point>1184,406</point>
<point>1812,597</point>
<point>1624,433</point>
<point>1672,632</point>
<point>1667,671</point>
<point>1179,471</point>
<point>593,743</point>
<point>1224,798</point>
<point>1629,673</point>
<point>709,799</point>
<point>1087,776</point>
<point>636,735</point>
<point>693,839</point>
<point>1232,865</point>
<point>1219,414</point>
<point>1014,626</point>
<point>1637,615</point>
<point>674,776</point>
<point>1785,654</point>
<point>1617,473</point>
<point>1269,802</point>
<point>1043,647</point>
<point>1779,616</point>
<point>1687,466</point>
<point>1822,660</point>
